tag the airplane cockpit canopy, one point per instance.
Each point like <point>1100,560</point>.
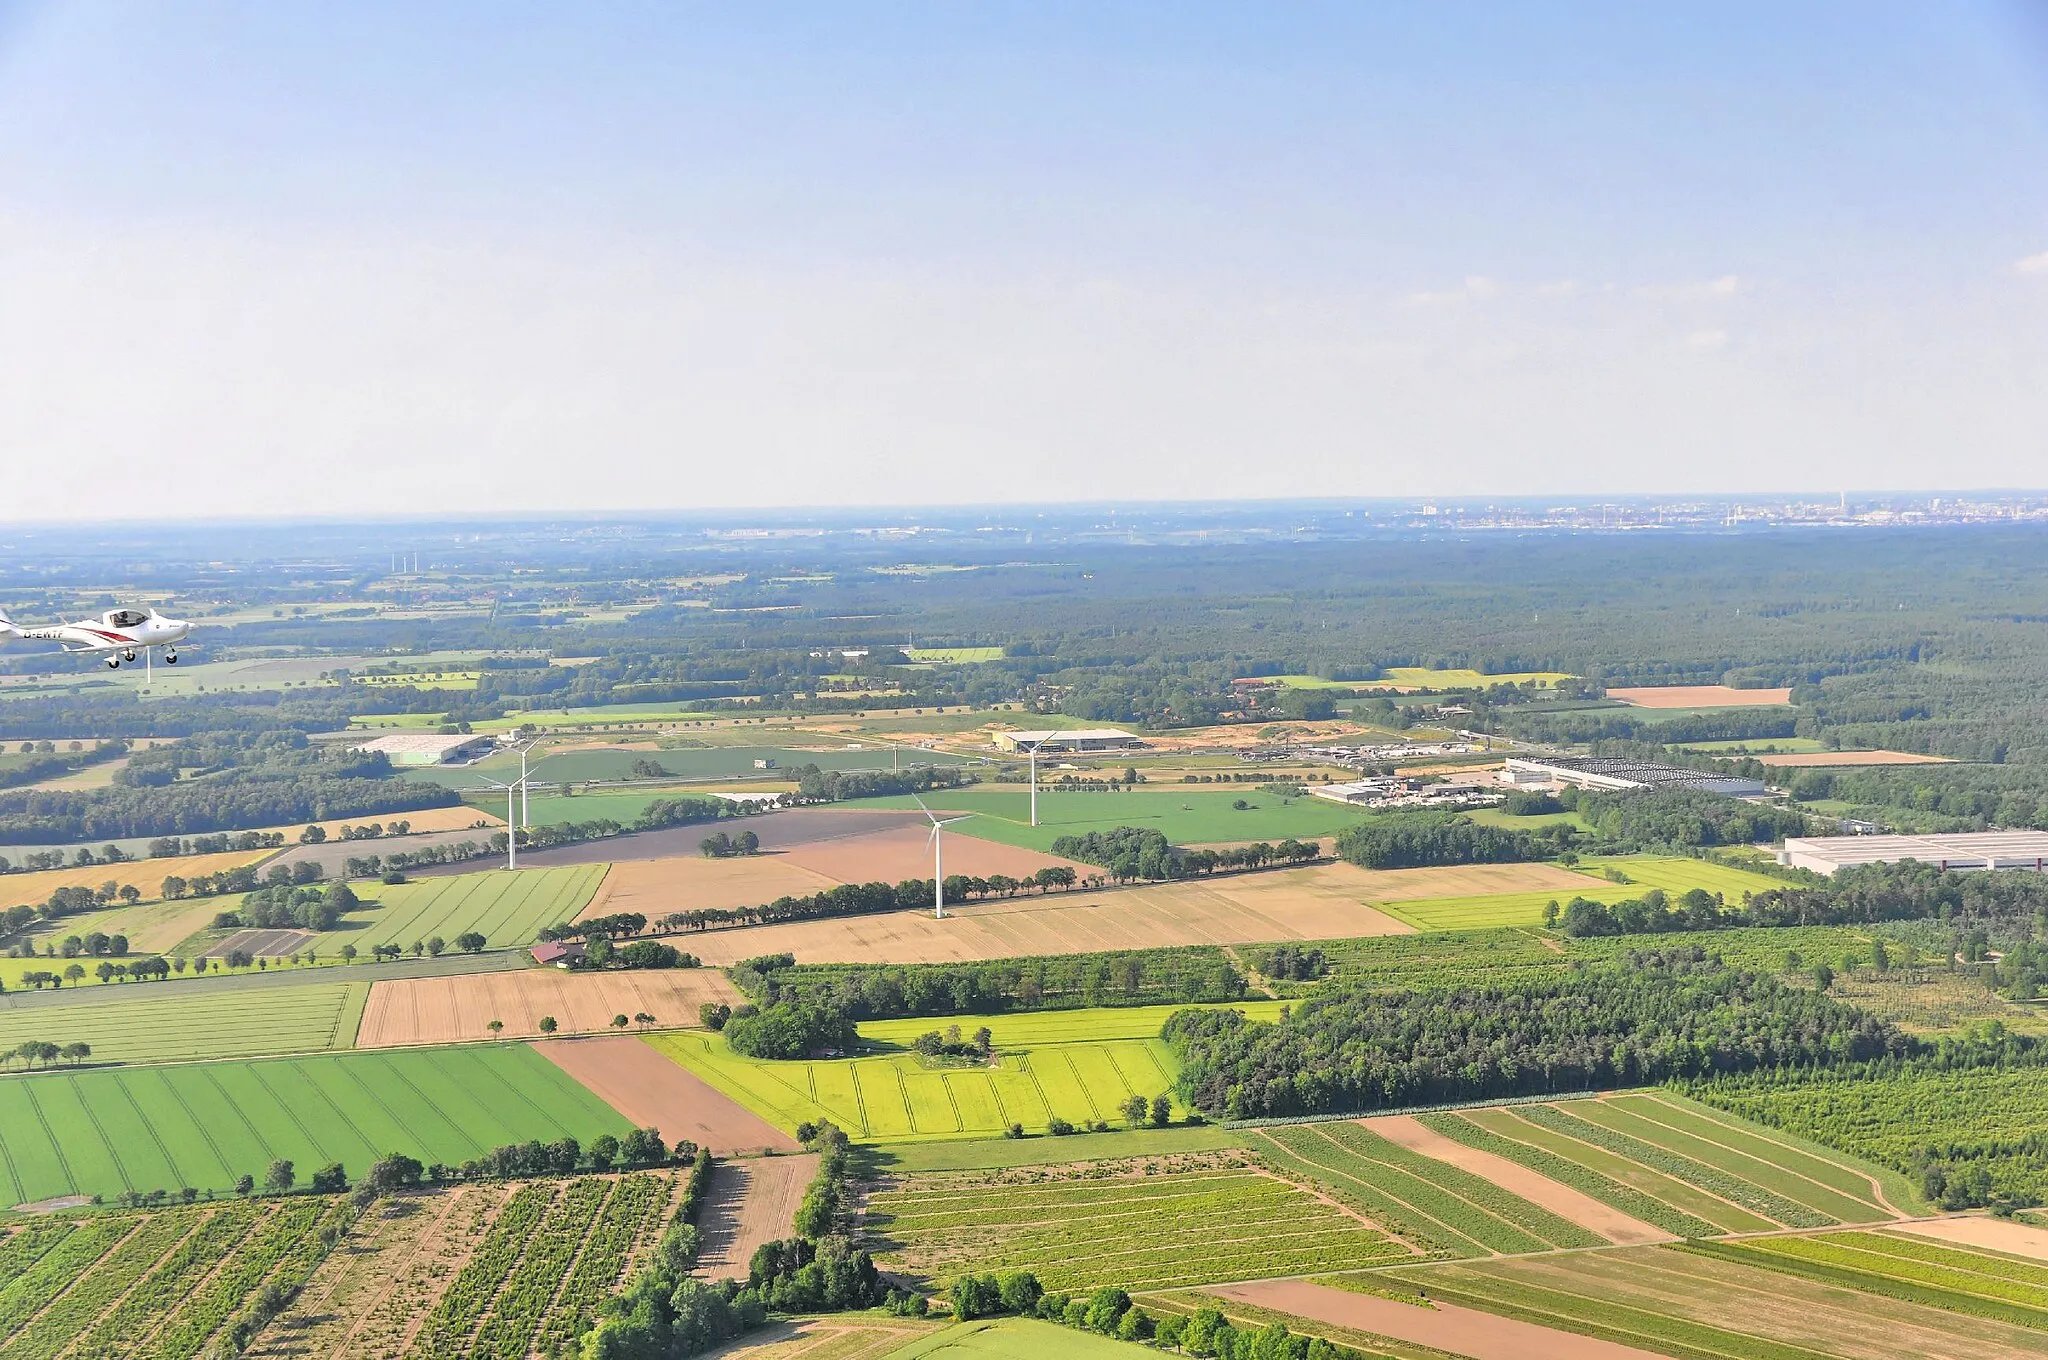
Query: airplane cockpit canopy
<point>126,618</point>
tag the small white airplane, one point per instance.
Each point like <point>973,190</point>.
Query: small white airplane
<point>117,635</point>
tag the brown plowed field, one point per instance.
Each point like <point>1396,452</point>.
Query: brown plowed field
<point>1823,759</point>
<point>1241,909</point>
<point>776,831</point>
<point>897,853</point>
<point>1699,696</point>
<point>752,1201</point>
<point>441,1010</point>
<point>648,1089</point>
<point>656,887</point>
<point>1538,1189</point>
<point>1461,1331</point>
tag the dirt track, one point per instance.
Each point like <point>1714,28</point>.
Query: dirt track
<point>751,1202</point>
<point>445,1010</point>
<point>1461,1331</point>
<point>1538,1189</point>
<point>650,1090</point>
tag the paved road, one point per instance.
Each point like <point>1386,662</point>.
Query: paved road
<point>492,961</point>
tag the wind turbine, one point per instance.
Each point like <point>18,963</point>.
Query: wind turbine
<point>938,861</point>
<point>515,819</point>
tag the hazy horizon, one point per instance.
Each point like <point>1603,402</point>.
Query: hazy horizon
<point>280,261</point>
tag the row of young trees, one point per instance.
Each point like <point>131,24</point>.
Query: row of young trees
<point>1137,977</point>
<point>1132,853</point>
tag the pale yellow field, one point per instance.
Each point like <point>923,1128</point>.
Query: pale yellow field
<point>457,818</point>
<point>1320,903</point>
<point>147,875</point>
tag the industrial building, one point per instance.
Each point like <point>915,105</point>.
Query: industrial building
<point>1615,774</point>
<point>1962,850</point>
<point>1079,740</point>
<point>427,748</point>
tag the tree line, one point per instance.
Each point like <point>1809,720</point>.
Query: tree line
<point>1136,977</point>
<point>1666,1014</point>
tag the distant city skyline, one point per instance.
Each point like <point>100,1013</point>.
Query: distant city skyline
<point>285,261</point>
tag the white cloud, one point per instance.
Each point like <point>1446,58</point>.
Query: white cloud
<point>1707,339</point>
<point>2034,264</point>
<point>1475,286</point>
<point>1728,285</point>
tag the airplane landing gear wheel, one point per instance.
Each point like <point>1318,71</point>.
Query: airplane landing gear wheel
<point>170,658</point>
<point>128,655</point>
<point>113,663</point>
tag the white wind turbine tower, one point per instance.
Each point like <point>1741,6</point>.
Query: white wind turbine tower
<point>938,853</point>
<point>515,807</point>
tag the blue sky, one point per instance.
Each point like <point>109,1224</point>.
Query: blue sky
<point>515,256</point>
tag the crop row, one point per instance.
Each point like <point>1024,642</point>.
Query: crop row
<point>1196,1258</point>
<point>1054,1241</point>
<point>1565,1171</point>
<point>1919,1249</point>
<point>1436,1212</point>
<point>634,1200</point>
<point>1483,1194</point>
<point>1381,1206</point>
<point>117,1330</point>
<point>62,1264</point>
<point>922,1191</point>
<point>1266,1193</point>
<point>1719,1149</point>
<point>73,1310</point>
<point>1843,1251</point>
<point>1697,1174</point>
<point>447,1329</point>
<point>204,1312</point>
<point>1911,1282</point>
<point>25,1246</point>
<point>1809,1162</point>
<point>1603,1319</point>
<point>532,1283</point>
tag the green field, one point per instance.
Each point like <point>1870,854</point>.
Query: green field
<point>99,1132</point>
<point>1674,875</point>
<point>1139,1226</point>
<point>1954,1278</point>
<point>1072,1065</point>
<point>1012,1338</point>
<point>508,907</point>
<point>143,1022</point>
<point>718,762</point>
<point>1185,815</point>
<point>1675,1164</point>
<point>1435,1205</point>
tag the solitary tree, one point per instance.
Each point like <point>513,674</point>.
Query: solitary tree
<point>244,1183</point>
<point>1162,1111</point>
<point>280,1177</point>
<point>1134,1110</point>
<point>348,953</point>
<point>618,1022</point>
<point>495,1026</point>
<point>547,1024</point>
<point>436,945</point>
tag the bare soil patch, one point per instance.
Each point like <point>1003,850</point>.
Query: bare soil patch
<point>1462,1331</point>
<point>1994,1234</point>
<point>1540,1190</point>
<point>442,1010</point>
<point>776,831</point>
<point>653,1092</point>
<point>1241,909</point>
<point>656,887</point>
<point>751,1202</point>
<point>1699,696</point>
<point>895,853</point>
<point>1823,759</point>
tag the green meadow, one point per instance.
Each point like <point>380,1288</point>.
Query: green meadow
<point>1184,814</point>
<point>159,1022</point>
<point>507,907</point>
<point>100,1132</point>
<point>1672,874</point>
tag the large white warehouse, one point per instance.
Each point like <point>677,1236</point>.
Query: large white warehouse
<point>1961,850</point>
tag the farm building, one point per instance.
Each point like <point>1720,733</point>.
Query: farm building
<point>1078,740</point>
<point>1962,850</point>
<point>1612,773</point>
<point>427,748</point>
<point>560,955</point>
